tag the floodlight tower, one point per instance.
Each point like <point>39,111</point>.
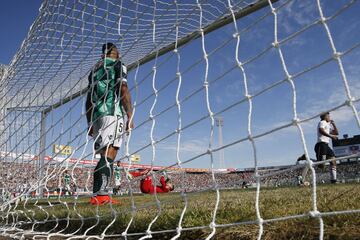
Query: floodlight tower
<point>220,124</point>
<point>3,137</point>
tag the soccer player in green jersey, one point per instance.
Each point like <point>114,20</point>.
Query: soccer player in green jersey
<point>117,175</point>
<point>108,102</point>
<point>67,181</point>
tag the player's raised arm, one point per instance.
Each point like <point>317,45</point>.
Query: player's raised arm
<point>135,174</point>
<point>323,132</point>
<point>163,182</point>
<point>323,129</point>
<point>326,131</point>
<point>334,130</point>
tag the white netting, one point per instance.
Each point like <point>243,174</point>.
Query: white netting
<point>268,68</point>
<point>64,41</point>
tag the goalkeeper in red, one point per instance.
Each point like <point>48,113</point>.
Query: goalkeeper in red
<point>147,186</point>
<point>108,102</point>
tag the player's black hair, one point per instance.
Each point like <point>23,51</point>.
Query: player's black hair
<point>322,115</point>
<point>107,47</point>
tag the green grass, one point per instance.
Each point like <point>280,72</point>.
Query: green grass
<point>235,206</point>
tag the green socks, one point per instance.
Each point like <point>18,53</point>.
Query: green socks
<point>102,176</point>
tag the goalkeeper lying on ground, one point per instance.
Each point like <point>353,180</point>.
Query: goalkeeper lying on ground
<point>147,186</point>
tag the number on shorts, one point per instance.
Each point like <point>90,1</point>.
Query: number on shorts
<point>121,125</point>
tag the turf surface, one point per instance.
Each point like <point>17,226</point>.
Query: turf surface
<point>236,206</point>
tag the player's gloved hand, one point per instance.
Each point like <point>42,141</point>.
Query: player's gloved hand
<point>166,176</point>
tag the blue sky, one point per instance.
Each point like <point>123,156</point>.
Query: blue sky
<point>16,18</point>
<point>317,90</point>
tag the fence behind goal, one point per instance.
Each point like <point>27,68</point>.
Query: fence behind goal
<point>217,87</point>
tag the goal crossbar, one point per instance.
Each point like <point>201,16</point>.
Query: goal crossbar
<point>227,19</point>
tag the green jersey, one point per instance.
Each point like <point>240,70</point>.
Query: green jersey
<point>105,82</point>
<point>117,173</point>
<point>67,179</point>
<point>6,196</point>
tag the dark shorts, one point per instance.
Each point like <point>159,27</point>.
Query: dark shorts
<point>323,149</point>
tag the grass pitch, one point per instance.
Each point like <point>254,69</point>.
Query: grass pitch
<point>235,206</point>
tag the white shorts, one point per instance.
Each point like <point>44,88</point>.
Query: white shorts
<point>108,130</point>
<point>117,182</point>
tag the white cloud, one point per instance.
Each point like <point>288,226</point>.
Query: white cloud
<point>194,146</point>
<point>297,13</point>
<point>218,100</point>
<point>337,97</point>
<point>341,115</point>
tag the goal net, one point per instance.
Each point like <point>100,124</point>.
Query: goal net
<point>226,96</point>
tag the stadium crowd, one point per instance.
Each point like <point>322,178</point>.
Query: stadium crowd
<point>17,178</point>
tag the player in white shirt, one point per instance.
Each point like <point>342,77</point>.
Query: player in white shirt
<point>300,181</point>
<point>326,131</point>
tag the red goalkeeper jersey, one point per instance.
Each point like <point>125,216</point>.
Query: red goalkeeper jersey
<point>147,186</point>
